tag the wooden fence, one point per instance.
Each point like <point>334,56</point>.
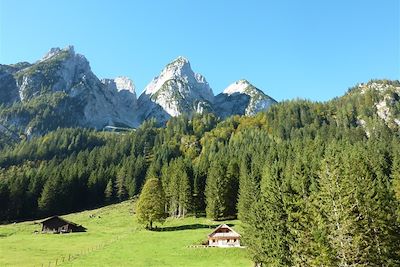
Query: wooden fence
<point>72,256</point>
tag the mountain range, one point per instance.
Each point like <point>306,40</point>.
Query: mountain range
<point>60,90</point>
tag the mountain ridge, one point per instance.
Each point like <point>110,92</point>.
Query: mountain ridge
<point>60,90</point>
<point>97,102</point>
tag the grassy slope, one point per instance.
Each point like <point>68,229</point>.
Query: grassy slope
<point>114,239</point>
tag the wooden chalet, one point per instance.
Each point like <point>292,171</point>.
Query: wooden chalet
<point>224,236</point>
<point>59,225</point>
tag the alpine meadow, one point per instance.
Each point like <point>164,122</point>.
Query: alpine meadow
<point>95,173</point>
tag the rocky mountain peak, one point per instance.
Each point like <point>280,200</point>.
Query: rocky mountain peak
<point>92,103</point>
<point>178,89</point>
<point>56,51</point>
<point>242,98</point>
<point>180,60</point>
<point>58,70</point>
<point>120,83</point>
<point>237,87</point>
<point>124,83</point>
<point>179,66</point>
<point>180,69</point>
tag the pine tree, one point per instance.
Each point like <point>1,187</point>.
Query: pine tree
<point>232,176</point>
<point>313,247</point>
<point>48,202</point>
<point>200,174</point>
<point>275,239</point>
<point>120,185</point>
<point>215,191</point>
<point>4,198</point>
<point>302,217</point>
<point>248,191</point>
<point>172,189</point>
<point>165,179</point>
<point>376,206</point>
<point>337,203</point>
<point>175,180</point>
<point>109,191</point>
<point>395,172</point>
<point>131,182</point>
<point>96,183</point>
<point>184,194</point>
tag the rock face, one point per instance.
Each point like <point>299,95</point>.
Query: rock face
<point>123,99</point>
<point>60,90</point>
<point>387,100</point>
<point>120,84</point>
<point>96,104</point>
<point>8,88</point>
<point>175,91</point>
<point>9,92</point>
<point>241,98</point>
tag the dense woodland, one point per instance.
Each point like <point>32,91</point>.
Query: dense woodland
<point>311,185</point>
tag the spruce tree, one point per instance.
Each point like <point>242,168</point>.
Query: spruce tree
<point>275,243</point>
<point>175,180</point>
<point>109,191</point>
<point>185,194</point>
<point>172,189</point>
<point>248,190</point>
<point>120,185</point>
<point>395,171</point>
<point>377,206</point>
<point>216,188</point>
<point>49,201</point>
<point>232,176</point>
<point>338,205</point>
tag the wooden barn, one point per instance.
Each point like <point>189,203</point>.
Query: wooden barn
<point>59,225</point>
<point>224,236</point>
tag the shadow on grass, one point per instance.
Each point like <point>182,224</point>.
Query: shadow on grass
<point>4,235</point>
<point>187,227</point>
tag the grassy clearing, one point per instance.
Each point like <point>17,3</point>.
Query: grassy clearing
<point>115,239</point>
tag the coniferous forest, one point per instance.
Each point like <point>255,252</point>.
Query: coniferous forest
<point>311,185</point>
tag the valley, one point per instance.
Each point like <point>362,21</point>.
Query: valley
<point>114,238</point>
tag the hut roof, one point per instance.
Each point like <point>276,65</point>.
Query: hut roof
<point>58,218</point>
<point>231,233</point>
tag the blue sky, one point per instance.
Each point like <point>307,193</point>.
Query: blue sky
<point>307,49</point>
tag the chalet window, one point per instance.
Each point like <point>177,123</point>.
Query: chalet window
<point>234,240</point>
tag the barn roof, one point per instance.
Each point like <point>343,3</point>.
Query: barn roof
<point>232,233</point>
<point>59,218</point>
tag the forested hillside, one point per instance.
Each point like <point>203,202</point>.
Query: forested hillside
<point>314,184</point>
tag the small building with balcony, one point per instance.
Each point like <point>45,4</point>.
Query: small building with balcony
<point>224,236</point>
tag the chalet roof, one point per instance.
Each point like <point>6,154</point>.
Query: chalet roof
<point>231,233</point>
<point>59,218</point>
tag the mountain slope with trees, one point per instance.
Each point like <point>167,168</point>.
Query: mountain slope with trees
<point>314,184</point>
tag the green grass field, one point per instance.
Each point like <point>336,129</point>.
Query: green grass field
<point>115,239</point>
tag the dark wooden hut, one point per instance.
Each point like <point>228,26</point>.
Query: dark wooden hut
<point>58,225</point>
